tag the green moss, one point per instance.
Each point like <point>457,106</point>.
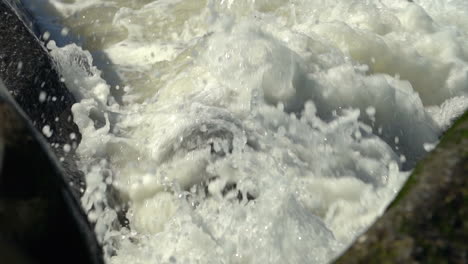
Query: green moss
<point>454,135</point>
<point>412,181</point>
<point>457,132</point>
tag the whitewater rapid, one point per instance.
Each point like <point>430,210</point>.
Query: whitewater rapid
<point>252,131</point>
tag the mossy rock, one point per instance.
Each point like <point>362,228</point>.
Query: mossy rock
<point>428,220</point>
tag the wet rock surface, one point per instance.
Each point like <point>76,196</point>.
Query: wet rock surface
<point>31,78</point>
<point>428,221</point>
<point>41,220</point>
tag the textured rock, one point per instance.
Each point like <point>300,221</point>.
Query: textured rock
<point>29,74</point>
<point>428,221</point>
<point>41,220</point>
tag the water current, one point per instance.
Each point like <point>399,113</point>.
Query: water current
<point>252,131</point>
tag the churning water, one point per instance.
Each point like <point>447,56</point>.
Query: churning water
<point>252,131</point>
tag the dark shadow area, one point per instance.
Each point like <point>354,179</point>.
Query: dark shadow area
<point>40,218</point>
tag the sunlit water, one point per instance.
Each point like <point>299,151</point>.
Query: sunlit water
<point>253,131</point>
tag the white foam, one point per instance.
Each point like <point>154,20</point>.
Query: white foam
<point>316,109</point>
<point>47,131</point>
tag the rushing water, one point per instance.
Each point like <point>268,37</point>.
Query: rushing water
<point>252,131</point>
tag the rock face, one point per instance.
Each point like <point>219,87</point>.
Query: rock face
<point>29,74</point>
<point>41,220</point>
<point>428,221</point>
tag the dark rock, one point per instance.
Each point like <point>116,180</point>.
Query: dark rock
<point>28,72</point>
<point>30,76</point>
<point>41,219</point>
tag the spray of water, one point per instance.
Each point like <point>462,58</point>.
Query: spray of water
<point>242,131</point>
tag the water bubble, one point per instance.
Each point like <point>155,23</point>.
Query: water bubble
<point>47,131</point>
<point>66,148</point>
<point>370,111</point>
<point>64,32</point>
<point>46,35</point>
<point>42,96</point>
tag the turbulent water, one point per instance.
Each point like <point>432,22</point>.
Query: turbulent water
<point>252,131</point>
